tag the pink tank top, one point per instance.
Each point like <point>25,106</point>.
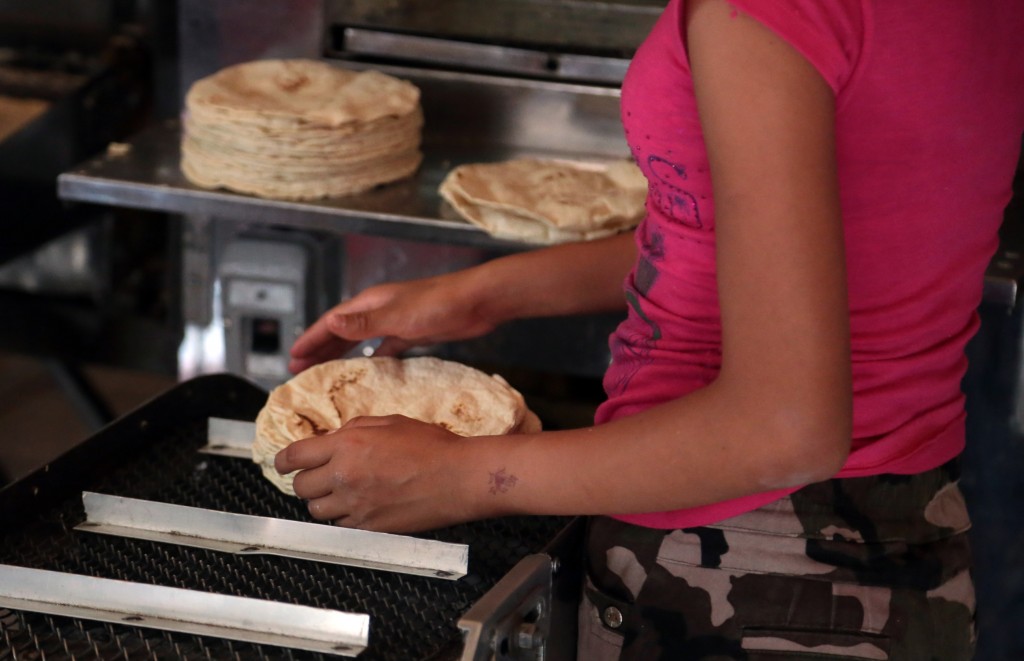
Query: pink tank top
<point>930,110</point>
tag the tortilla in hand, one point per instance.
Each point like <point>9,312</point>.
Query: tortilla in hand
<point>457,397</point>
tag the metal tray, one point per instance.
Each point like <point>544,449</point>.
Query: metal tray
<point>151,454</point>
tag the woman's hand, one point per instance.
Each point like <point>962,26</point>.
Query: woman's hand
<point>572,278</point>
<point>388,473</point>
<point>404,314</point>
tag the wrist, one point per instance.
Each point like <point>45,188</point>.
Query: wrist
<point>485,290</point>
<point>486,485</point>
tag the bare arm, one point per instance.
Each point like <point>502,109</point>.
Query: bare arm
<point>572,278</point>
<point>780,412</point>
<point>566,279</point>
<point>778,415</point>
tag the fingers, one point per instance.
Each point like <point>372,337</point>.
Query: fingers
<point>376,472</point>
<point>331,336</point>
<point>317,451</point>
<point>326,509</point>
<point>313,484</point>
<point>403,314</point>
<point>316,345</point>
<point>366,325</point>
<point>339,330</point>
<point>303,455</point>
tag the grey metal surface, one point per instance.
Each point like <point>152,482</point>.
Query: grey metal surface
<point>147,176</point>
<point>513,619</point>
<point>1005,272</point>
<point>265,305</point>
<point>150,454</point>
<point>468,118</point>
<point>1006,269</point>
<point>241,533</point>
<point>434,51</point>
<point>71,264</point>
<point>561,25</point>
<point>531,613</point>
<point>396,232</point>
<point>229,438</point>
<point>462,55</point>
<point>189,611</point>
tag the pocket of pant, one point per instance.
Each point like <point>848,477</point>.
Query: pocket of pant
<point>775,644</point>
<point>596,642</point>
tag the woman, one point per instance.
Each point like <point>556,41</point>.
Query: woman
<point>773,472</point>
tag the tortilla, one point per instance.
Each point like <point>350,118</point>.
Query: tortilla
<point>547,200</point>
<point>457,397</point>
<point>300,129</point>
<point>300,92</point>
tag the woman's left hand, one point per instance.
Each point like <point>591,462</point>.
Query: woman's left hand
<point>388,473</point>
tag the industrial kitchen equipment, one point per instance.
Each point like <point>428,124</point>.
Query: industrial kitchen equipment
<point>499,79</point>
<point>70,593</point>
<point>545,83</point>
<point>492,88</point>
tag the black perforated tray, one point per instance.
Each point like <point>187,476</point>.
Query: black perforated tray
<point>151,454</point>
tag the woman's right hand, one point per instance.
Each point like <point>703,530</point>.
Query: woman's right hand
<point>405,314</point>
<point>571,278</point>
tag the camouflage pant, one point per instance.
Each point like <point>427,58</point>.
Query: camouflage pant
<point>864,568</point>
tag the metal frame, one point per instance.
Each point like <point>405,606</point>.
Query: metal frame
<point>245,534</point>
<point>188,611</point>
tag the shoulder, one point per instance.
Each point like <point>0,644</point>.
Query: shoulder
<point>832,35</point>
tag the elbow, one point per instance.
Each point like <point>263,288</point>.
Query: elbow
<point>827,456</point>
<point>809,447</point>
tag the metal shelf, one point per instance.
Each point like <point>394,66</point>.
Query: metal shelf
<point>145,174</point>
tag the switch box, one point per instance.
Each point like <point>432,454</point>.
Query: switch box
<point>263,295</point>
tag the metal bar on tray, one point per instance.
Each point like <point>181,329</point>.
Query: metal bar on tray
<point>242,533</point>
<point>515,614</point>
<point>189,611</point>
<point>229,438</point>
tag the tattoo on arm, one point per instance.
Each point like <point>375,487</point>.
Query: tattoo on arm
<point>500,481</point>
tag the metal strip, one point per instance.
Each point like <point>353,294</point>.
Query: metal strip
<point>432,50</point>
<point>513,615</point>
<point>229,438</point>
<point>188,611</point>
<point>589,67</point>
<point>242,533</point>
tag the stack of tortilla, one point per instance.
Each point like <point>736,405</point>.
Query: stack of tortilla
<point>546,200</point>
<point>321,399</point>
<point>300,129</point>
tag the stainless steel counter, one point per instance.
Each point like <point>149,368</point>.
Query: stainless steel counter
<point>467,118</point>
<point>145,174</point>
<point>398,231</point>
